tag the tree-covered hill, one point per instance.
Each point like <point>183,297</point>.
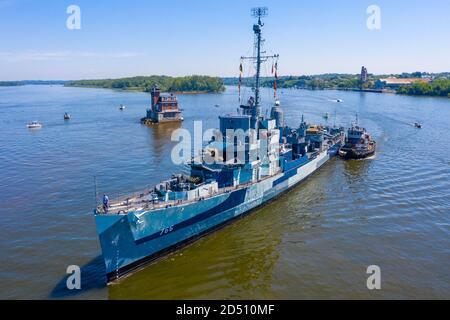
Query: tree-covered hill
<point>166,84</point>
<point>323,81</point>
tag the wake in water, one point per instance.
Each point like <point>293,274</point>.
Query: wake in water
<point>373,157</point>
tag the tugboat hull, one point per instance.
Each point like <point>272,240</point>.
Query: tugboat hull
<point>352,154</point>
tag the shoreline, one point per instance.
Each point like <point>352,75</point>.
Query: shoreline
<point>143,91</point>
<point>217,92</point>
<point>391,91</point>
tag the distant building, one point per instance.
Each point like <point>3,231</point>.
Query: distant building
<point>164,108</point>
<point>395,83</point>
<point>364,75</point>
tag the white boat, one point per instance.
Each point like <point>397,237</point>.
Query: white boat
<point>34,125</point>
<point>122,107</point>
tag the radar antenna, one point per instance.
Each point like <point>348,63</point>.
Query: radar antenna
<point>260,12</point>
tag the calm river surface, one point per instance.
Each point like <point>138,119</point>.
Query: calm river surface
<point>315,242</point>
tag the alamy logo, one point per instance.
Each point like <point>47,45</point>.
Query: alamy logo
<point>74,280</point>
<point>374,280</point>
<point>374,20</point>
<point>73,22</point>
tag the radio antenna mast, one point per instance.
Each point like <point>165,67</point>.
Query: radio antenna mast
<point>258,13</point>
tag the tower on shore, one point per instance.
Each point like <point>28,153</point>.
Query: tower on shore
<point>364,75</point>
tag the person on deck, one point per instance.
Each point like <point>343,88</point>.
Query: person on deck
<point>105,203</point>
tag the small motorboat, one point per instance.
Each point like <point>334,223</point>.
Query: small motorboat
<point>339,100</point>
<point>417,125</point>
<point>34,125</point>
<point>326,116</point>
<point>216,105</point>
<point>66,116</point>
<point>122,107</point>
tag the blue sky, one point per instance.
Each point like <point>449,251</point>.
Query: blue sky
<point>182,37</point>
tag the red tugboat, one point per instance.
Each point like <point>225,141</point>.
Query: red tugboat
<point>358,143</point>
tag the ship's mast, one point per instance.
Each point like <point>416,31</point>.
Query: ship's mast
<point>256,108</point>
<point>258,12</point>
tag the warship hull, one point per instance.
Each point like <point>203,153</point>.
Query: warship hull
<point>130,241</point>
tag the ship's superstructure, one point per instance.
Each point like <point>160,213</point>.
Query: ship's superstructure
<point>250,160</point>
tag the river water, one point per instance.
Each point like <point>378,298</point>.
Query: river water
<point>317,241</point>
